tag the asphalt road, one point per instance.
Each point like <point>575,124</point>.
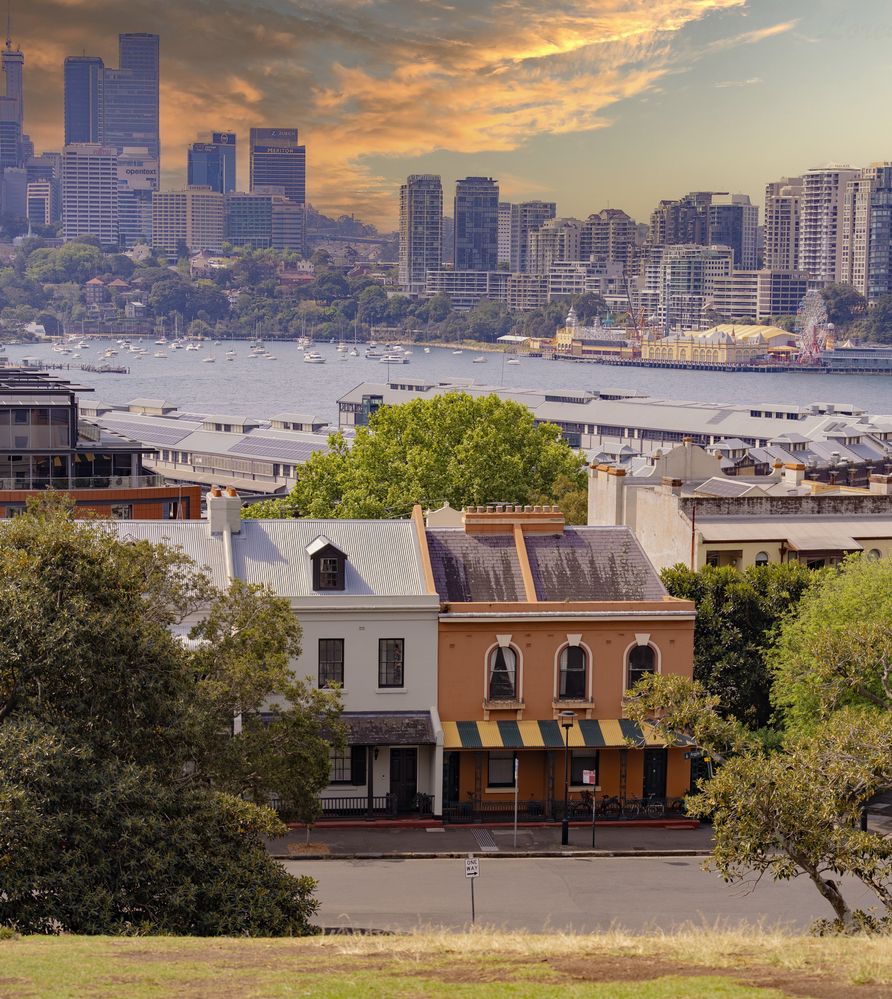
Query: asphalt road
<point>581,894</point>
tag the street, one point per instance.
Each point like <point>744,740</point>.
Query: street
<point>583,894</point>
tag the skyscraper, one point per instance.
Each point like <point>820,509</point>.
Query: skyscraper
<point>820,244</point>
<point>421,230</point>
<point>609,236</point>
<point>130,95</point>
<point>205,167</point>
<point>90,192</point>
<point>476,221</point>
<point>782,206</point>
<point>277,160</point>
<point>554,241</point>
<point>527,217</point>
<point>733,221</point>
<point>192,218</point>
<point>83,99</point>
<point>15,146</point>
<point>504,233</point>
<point>879,253</point>
<point>13,63</point>
<point>137,179</point>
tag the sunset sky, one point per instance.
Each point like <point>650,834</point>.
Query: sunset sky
<point>591,103</point>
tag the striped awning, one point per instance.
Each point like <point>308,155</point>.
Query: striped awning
<point>585,733</point>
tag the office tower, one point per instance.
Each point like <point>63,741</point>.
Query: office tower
<point>90,192</point>
<point>191,219</point>
<point>204,166</point>
<point>277,160</point>
<point>783,200</point>
<point>686,276</point>
<point>421,230</point>
<point>609,236</point>
<point>83,99</point>
<point>879,252</point>
<point>732,221</point>
<point>130,95</point>
<point>226,143</point>
<point>13,65</point>
<point>289,223</point>
<point>14,192</point>
<point>249,220</point>
<point>41,207</point>
<point>820,225</point>
<point>554,241</point>
<point>504,234</point>
<point>137,179</point>
<point>476,220</point>
<point>10,137</point>
<point>527,217</point>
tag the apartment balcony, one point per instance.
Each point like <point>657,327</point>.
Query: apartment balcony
<point>63,483</point>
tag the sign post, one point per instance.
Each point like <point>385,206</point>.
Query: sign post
<point>516,787</point>
<point>472,871</point>
<point>589,777</point>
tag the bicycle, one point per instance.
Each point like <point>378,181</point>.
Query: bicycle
<point>653,807</point>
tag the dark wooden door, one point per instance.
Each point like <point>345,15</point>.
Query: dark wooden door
<point>404,776</point>
<point>655,773</point>
<point>450,778</point>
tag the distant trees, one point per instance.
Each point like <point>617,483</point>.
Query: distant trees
<point>843,303</point>
<point>75,261</point>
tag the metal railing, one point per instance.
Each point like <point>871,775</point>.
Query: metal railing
<point>608,807</point>
<point>345,806</point>
<point>82,482</point>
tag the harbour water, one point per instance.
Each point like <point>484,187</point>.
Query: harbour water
<point>260,387</point>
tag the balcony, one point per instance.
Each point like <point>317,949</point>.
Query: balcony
<point>19,483</point>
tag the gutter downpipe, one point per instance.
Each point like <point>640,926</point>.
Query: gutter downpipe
<point>229,562</point>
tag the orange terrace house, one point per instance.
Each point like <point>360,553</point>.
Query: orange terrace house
<point>543,627</point>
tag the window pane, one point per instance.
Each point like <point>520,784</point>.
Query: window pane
<point>339,768</point>
<point>582,759</point>
<point>641,661</point>
<point>390,662</point>
<point>331,661</point>
<point>573,663</point>
<point>503,675</point>
<point>501,770</point>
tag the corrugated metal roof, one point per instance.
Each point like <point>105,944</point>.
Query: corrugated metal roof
<point>192,536</point>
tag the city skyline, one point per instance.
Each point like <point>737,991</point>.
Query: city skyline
<point>577,110</point>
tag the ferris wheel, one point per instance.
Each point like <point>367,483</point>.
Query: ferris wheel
<point>812,327</point>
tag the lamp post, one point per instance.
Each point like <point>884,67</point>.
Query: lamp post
<point>567,719</point>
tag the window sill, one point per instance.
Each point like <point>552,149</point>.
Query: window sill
<point>572,702</point>
<point>505,705</point>
<point>499,790</point>
<point>391,690</point>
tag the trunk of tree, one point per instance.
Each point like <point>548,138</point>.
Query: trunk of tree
<point>830,891</point>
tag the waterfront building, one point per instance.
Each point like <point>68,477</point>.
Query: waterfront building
<point>466,288</point>
<point>879,254</point>
<point>609,237</point>
<point>686,276</point>
<point>721,345</point>
<point>821,221</point>
<point>45,445</point>
<point>191,218</point>
<point>130,95</point>
<point>525,292</point>
<point>527,217</point>
<point>865,231</point>
<point>278,160</point>
<point>783,201</point>
<point>504,234</point>
<point>555,241</point>
<point>90,192</point>
<point>571,278</point>
<point>421,222</point>
<point>758,295</point>
<point>83,99</point>
<point>510,581</point>
<point>476,224</point>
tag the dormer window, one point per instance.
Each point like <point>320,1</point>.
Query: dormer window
<point>329,565</point>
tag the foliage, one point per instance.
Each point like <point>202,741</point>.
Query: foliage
<point>453,448</point>
<point>124,790</point>
<point>737,616</point>
<point>74,261</point>
<point>843,303</point>
<point>838,649</point>
<point>879,320</point>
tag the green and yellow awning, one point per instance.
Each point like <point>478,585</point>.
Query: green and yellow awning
<point>586,733</point>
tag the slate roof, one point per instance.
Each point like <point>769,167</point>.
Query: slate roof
<point>592,563</point>
<point>474,567</point>
<point>388,728</point>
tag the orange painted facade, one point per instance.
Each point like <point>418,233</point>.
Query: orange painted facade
<point>145,503</point>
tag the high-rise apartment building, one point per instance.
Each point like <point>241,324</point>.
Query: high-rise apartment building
<point>555,241</point>
<point>879,249</point>
<point>504,234</point>
<point>609,236</point>
<point>686,283</point>
<point>476,221</point>
<point>821,218</point>
<point>421,230</point>
<point>854,229</point>
<point>278,160</point>
<point>527,217</point>
<point>83,99</point>
<point>192,218</point>
<point>783,201</point>
<point>758,296</point>
<point>733,222</point>
<point>681,222</point>
<point>130,95</point>
<point>90,192</point>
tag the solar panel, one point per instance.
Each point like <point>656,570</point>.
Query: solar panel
<point>270,447</point>
<point>149,434</point>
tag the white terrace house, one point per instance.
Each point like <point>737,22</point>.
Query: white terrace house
<point>369,623</point>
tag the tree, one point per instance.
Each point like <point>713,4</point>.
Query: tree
<point>737,616</point>
<point>129,800</point>
<point>879,320</point>
<point>843,303</point>
<point>75,261</point>
<point>838,649</point>
<point>589,307</point>
<point>452,447</point>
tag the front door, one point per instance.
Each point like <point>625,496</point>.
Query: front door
<point>404,776</point>
<point>655,773</point>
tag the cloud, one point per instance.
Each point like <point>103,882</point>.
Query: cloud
<point>365,79</point>
<point>752,81</point>
<point>752,37</point>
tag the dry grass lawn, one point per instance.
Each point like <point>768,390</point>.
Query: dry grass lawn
<point>699,963</point>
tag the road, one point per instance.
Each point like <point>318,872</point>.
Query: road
<point>583,894</point>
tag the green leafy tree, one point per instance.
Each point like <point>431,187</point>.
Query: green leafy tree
<point>134,766</point>
<point>589,307</point>
<point>452,447</point>
<point>879,321</point>
<point>75,261</point>
<point>738,614</point>
<point>844,303</point>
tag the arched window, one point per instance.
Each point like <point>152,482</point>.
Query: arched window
<point>762,558</point>
<point>572,667</point>
<point>641,660</point>
<point>502,674</point>
<point>874,554</point>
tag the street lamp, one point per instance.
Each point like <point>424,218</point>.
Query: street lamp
<point>567,719</point>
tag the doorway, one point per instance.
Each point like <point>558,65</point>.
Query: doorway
<point>655,761</point>
<point>404,777</point>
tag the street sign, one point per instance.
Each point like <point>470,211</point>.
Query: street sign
<point>472,868</point>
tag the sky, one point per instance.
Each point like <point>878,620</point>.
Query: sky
<point>589,103</point>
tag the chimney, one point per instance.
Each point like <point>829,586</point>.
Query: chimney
<point>224,509</point>
<point>671,485</point>
<point>794,473</point>
<point>501,518</point>
<point>881,485</point>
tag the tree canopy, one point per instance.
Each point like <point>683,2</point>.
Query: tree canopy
<point>135,765</point>
<point>453,448</point>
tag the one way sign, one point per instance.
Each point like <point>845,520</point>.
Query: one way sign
<point>472,868</point>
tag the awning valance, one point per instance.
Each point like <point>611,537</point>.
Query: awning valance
<point>546,734</point>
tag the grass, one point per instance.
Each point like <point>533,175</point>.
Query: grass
<point>700,963</point>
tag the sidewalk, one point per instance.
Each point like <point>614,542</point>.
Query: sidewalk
<point>377,841</point>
